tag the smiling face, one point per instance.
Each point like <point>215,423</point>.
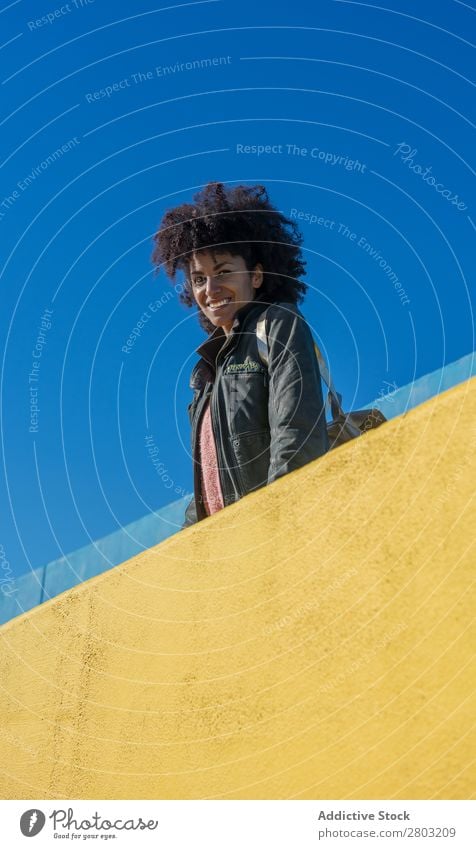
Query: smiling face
<point>221,284</point>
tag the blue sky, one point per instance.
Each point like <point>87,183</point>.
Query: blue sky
<point>113,113</point>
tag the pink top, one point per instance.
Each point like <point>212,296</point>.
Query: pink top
<point>211,488</point>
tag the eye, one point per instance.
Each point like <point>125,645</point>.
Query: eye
<point>198,281</point>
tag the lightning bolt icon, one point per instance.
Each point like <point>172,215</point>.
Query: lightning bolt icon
<point>33,820</point>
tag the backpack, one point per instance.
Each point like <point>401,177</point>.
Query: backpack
<point>344,426</point>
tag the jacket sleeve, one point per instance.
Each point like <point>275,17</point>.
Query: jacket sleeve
<point>190,514</point>
<point>296,412</point>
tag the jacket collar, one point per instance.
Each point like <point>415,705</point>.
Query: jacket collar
<point>210,349</point>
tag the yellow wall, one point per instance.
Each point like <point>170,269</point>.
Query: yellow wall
<point>311,641</point>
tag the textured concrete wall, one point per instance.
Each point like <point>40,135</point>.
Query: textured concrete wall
<point>312,641</point>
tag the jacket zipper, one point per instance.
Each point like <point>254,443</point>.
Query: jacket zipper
<point>196,459</point>
<point>231,461</point>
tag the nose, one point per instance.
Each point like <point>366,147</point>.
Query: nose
<point>213,286</point>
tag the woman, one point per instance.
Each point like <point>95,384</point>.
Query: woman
<point>257,411</point>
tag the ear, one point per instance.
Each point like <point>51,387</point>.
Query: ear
<point>257,276</point>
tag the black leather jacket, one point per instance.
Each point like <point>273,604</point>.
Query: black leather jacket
<point>266,421</point>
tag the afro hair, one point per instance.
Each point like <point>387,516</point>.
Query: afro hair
<point>240,221</point>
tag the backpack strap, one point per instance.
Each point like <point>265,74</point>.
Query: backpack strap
<point>262,339</point>
<point>334,398</point>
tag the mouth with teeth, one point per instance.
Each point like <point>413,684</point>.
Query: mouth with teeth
<point>214,306</point>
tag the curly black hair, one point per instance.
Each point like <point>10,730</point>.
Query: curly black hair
<point>241,221</point>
